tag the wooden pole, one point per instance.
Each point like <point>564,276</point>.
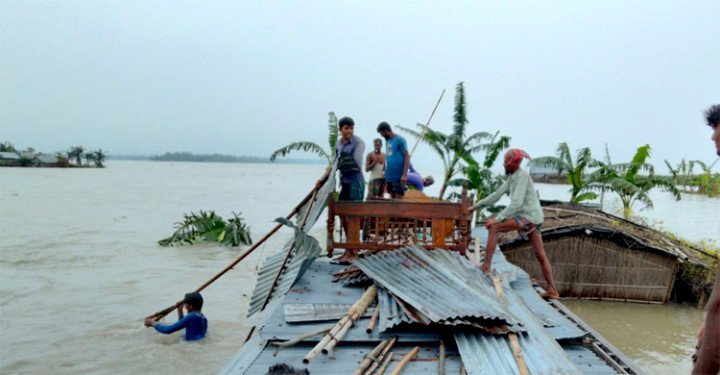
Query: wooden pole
<point>370,358</point>
<point>293,341</point>
<point>373,320</point>
<point>162,313</point>
<point>385,364</point>
<point>398,369</point>
<point>427,124</point>
<point>382,357</point>
<point>514,343</point>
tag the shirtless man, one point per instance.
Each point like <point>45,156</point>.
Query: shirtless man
<point>375,164</point>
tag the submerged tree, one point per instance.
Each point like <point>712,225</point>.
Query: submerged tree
<point>455,146</point>
<point>76,152</point>
<point>312,146</point>
<point>625,180</point>
<point>99,158</point>
<point>576,170</point>
<point>209,226</point>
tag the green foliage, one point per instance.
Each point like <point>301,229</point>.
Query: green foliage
<point>76,152</point>
<point>99,158</point>
<point>479,178</point>
<point>624,180</point>
<point>208,226</point>
<point>576,170</point>
<point>455,148</point>
<point>7,147</point>
<point>313,147</point>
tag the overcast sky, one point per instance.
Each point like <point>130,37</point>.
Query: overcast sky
<point>246,77</point>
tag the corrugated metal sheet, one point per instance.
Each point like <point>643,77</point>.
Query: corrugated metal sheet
<point>347,357</point>
<point>317,312</point>
<point>245,357</point>
<point>491,354</point>
<point>440,284</point>
<point>391,313</point>
<point>305,249</point>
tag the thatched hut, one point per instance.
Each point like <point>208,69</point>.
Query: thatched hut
<point>602,256</point>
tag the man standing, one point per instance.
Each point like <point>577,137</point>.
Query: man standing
<point>523,215</point>
<point>375,164</point>
<point>397,161</point>
<point>708,360</point>
<point>349,152</point>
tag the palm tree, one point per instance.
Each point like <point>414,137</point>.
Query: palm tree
<point>575,169</point>
<point>312,146</point>
<point>625,180</point>
<point>99,157</point>
<point>76,152</point>
<point>89,156</point>
<point>454,147</point>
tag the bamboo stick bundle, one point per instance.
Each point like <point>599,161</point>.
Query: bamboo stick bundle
<point>382,357</point>
<point>318,347</point>
<point>370,358</point>
<point>385,364</point>
<point>343,325</point>
<point>398,369</point>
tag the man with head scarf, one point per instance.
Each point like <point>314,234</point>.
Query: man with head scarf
<point>523,215</point>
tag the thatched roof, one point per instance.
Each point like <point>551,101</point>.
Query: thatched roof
<point>562,218</point>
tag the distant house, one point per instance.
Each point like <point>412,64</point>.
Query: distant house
<point>44,160</point>
<point>9,159</point>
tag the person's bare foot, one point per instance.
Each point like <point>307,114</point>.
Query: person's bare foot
<point>347,258</point>
<point>551,295</point>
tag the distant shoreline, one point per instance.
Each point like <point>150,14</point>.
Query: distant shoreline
<point>212,158</point>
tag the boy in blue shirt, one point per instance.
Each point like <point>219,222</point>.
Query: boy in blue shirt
<point>194,323</point>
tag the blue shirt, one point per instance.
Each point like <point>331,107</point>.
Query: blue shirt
<point>394,159</point>
<point>356,147</point>
<point>195,325</point>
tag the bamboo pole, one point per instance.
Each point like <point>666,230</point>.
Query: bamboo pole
<point>427,124</point>
<point>373,320</point>
<point>382,357</point>
<point>293,341</point>
<point>370,358</point>
<point>162,313</point>
<point>512,336</point>
<point>385,364</point>
<point>354,313</point>
<point>398,369</point>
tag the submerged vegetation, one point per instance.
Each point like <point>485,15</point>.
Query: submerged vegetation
<point>209,226</point>
<point>30,157</point>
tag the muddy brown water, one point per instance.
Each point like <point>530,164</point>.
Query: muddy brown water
<point>80,266</point>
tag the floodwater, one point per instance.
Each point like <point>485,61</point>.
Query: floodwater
<point>80,266</point>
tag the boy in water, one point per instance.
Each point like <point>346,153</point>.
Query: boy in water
<point>194,323</point>
<point>524,215</point>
